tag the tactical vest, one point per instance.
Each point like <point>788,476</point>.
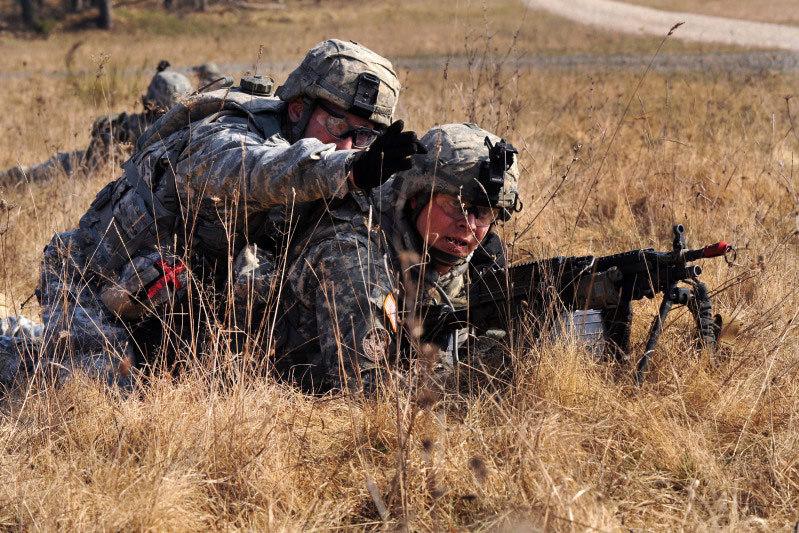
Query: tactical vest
<point>141,209</point>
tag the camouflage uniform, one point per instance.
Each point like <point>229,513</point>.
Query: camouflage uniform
<point>204,182</point>
<point>365,266</point>
<point>111,136</point>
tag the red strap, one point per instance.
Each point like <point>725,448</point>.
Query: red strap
<point>716,250</point>
<point>169,276</point>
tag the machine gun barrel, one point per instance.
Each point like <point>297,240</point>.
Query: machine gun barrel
<point>718,249</point>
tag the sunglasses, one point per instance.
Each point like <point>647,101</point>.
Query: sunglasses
<point>336,125</point>
<point>453,207</point>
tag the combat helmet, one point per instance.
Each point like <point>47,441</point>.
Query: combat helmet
<point>345,74</point>
<point>166,88</point>
<point>466,161</point>
<point>208,73</point>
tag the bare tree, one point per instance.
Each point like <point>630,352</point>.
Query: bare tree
<point>104,20</point>
<point>75,6</point>
<point>28,13</point>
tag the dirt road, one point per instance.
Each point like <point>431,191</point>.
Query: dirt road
<point>628,18</point>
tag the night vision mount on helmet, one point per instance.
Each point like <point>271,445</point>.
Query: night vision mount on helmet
<point>501,156</point>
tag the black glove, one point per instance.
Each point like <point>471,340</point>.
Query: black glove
<point>391,152</point>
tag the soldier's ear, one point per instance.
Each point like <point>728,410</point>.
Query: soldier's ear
<point>295,109</point>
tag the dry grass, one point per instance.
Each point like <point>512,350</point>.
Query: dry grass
<point>780,11</point>
<point>570,445</point>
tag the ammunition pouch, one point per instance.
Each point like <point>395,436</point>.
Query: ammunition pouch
<point>127,216</point>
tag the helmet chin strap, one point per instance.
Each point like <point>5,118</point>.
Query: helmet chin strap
<point>297,129</point>
<point>440,257</point>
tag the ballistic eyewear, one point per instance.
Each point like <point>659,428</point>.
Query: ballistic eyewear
<point>336,125</point>
<point>453,207</point>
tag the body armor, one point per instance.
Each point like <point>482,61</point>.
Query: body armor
<point>142,209</point>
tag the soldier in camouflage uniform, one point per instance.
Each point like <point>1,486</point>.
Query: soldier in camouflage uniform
<point>205,185</point>
<point>372,257</point>
<point>112,136</point>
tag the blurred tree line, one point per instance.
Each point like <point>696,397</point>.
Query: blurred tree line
<point>37,15</point>
<point>31,12</point>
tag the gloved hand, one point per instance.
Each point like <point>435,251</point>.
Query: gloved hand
<point>148,281</point>
<point>391,152</point>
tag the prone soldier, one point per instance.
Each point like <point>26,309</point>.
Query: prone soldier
<point>209,75</point>
<point>205,182</point>
<point>111,136</point>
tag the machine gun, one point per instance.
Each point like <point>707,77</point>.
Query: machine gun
<point>610,283</point>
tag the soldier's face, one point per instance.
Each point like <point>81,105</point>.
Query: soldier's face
<point>459,235</point>
<point>332,125</point>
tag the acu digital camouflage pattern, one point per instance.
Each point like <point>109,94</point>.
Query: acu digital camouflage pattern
<point>208,73</point>
<point>78,332</point>
<point>346,290</point>
<point>166,89</point>
<point>112,139</point>
<point>230,168</point>
<point>217,181</point>
<point>255,285</point>
<point>213,176</point>
<point>331,70</point>
<point>336,329</point>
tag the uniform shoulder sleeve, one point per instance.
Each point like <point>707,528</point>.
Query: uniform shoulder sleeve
<point>344,282</point>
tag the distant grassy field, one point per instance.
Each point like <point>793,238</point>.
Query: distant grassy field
<point>570,444</point>
<point>780,11</point>
<point>416,28</point>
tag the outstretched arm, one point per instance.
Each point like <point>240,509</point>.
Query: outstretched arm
<point>225,158</point>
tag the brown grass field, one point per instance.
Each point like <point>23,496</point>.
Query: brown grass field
<point>710,442</point>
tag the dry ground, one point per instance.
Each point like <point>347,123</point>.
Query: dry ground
<point>707,444</point>
<point>779,11</point>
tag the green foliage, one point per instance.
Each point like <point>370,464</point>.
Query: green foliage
<point>46,26</point>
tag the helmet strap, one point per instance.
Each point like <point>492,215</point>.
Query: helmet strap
<point>441,257</point>
<point>414,212</point>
